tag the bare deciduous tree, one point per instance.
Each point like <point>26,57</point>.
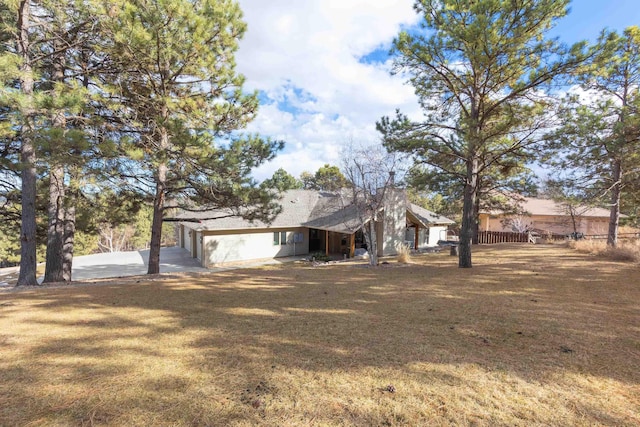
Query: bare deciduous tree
<point>371,172</point>
<point>518,223</point>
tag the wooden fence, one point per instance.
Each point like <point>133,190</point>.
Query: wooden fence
<point>490,237</point>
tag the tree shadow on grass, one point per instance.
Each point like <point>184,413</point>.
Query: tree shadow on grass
<point>235,336</point>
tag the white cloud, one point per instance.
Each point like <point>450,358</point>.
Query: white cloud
<point>305,57</point>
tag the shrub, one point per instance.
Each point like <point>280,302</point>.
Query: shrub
<point>627,250</point>
<point>320,257</point>
<point>404,254</point>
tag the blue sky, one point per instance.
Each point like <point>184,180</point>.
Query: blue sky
<point>588,17</point>
<point>322,70</point>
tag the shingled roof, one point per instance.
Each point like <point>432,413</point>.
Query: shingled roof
<point>548,207</point>
<point>427,217</point>
<point>303,208</point>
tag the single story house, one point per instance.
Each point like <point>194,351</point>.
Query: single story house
<point>310,222</point>
<point>546,216</point>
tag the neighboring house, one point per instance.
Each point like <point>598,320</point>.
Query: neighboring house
<point>310,221</point>
<point>547,216</point>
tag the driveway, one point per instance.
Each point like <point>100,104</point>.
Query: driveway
<point>116,264</point>
<point>121,264</point>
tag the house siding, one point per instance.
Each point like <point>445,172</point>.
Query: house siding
<point>231,239</point>
<point>198,244</point>
<point>394,222</point>
<point>190,240</point>
<point>426,236</point>
<point>597,226</point>
<point>551,223</point>
<point>223,247</point>
<point>437,233</point>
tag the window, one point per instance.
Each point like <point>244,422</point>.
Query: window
<point>280,238</point>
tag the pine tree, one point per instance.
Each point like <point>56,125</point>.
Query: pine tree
<point>597,147</point>
<point>67,31</point>
<point>181,101</point>
<point>282,181</point>
<point>18,96</point>
<point>478,69</point>
<point>326,178</point>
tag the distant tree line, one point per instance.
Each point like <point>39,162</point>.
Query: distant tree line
<point>326,178</point>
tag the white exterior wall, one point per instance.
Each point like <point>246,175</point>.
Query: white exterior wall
<point>228,247</point>
<point>199,241</point>
<point>181,237</point>
<point>395,222</point>
<point>437,232</point>
<point>427,237</point>
<point>188,239</point>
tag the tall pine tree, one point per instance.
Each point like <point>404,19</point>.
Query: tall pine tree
<point>17,99</point>
<point>478,69</point>
<point>181,102</point>
<point>597,147</point>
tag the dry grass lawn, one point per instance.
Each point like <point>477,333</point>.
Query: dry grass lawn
<point>532,335</point>
<point>626,250</point>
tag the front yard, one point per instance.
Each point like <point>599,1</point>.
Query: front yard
<point>532,335</point>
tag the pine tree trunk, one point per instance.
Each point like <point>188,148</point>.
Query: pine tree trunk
<point>28,262</point>
<point>468,214</point>
<point>156,225</point>
<point>476,223</point>
<point>69,234</point>
<point>55,236</point>
<point>54,270</point>
<point>71,196</point>
<point>158,207</point>
<point>614,215</point>
<point>158,201</point>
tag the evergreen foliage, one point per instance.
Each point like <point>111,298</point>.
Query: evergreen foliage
<point>479,69</point>
<point>179,96</point>
<point>326,178</point>
<point>282,181</point>
<point>596,150</point>
<point>140,96</point>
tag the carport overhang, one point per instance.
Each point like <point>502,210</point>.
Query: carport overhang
<point>413,219</point>
<point>341,229</point>
<point>418,224</point>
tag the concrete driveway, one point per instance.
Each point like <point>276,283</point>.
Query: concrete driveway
<point>116,264</point>
<point>121,264</point>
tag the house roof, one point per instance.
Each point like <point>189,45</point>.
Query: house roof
<point>535,206</point>
<point>427,217</point>
<point>302,208</point>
